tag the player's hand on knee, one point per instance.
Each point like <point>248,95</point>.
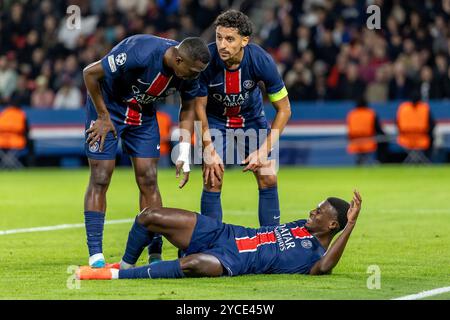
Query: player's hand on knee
<point>255,160</point>
<point>99,130</point>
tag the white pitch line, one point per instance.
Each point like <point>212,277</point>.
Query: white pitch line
<point>58,227</point>
<point>425,294</point>
<point>74,226</point>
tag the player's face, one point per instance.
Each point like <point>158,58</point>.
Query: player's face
<point>229,42</point>
<point>321,218</point>
<point>187,69</point>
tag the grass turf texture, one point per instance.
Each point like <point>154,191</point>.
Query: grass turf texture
<point>404,228</point>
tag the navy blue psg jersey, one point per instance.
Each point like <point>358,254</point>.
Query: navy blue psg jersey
<point>286,248</point>
<point>234,97</point>
<point>135,77</point>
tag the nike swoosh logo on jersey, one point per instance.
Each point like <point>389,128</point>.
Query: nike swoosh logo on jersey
<point>144,83</point>
<point>215,84</point>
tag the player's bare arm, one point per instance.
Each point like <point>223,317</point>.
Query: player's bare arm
<point>334,253</point>
<point>187,117</point>
<point>92,74</point>
<point>258,158</point>
<point>213,167</point>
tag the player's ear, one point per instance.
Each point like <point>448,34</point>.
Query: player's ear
<point>178,60</point>
<point>333,225</point>
<point>245,41</point>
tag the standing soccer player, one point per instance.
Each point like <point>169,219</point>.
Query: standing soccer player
<point>122,88</point>
<point>230,101</point>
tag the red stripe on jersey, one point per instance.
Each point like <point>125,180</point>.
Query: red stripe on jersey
<point>233,86</point>
<point>251,244</point>
<point>234,119</point>
<point>232,111</point>
<point>158,85</point>
<point>300,232</point>
<point>133,116</point>
<point>235,122</point>
<point>232,81</point>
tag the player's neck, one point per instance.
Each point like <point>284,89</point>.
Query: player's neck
<point>168,58</point>
<point>324,238</point>
<point>234,62</point>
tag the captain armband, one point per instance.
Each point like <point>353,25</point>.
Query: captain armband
<point>277,96</point>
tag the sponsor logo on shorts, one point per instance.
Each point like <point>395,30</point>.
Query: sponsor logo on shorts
<point>307,244</point>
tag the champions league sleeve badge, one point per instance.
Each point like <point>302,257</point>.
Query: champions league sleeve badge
<point>121,58</point>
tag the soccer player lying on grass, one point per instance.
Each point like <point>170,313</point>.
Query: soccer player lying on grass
<point>211,248</point>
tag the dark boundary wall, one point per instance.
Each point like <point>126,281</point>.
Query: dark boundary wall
<point>315,135</point>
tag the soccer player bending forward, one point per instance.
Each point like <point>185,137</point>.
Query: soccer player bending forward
<point>211,248</point>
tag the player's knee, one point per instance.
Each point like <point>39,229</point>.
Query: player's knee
<point>201,265</point>
<point>147,179</point>
<point>150,216</point>
<point>191,266</point>
<point>100,179</point>
<point>267,181</point>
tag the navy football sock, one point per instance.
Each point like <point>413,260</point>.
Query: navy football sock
<point>163,269</point>
<point>94,222</point>
<point>138,238</point>
<point>269,207</point>
<point>156,244</point>
<point>210,205</point>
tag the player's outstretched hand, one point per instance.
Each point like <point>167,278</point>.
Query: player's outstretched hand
<point>99,130</point>
<point>213,167</point>
<point>355,207</point>
<point>180,166</point>
<point>183,162</point>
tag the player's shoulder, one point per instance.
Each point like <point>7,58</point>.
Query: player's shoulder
<point>214,53</point>
<point>148,41</point>
<point>256,51</point>
<point>212,46</point>
<point>258,57</point>
<point>215,62</point>
<point>297,223</point>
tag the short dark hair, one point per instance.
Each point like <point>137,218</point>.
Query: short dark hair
<point>341,207</point>
<point>235,19</point>
<point>196,49</point>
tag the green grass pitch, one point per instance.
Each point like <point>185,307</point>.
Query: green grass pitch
<point>404,229</point>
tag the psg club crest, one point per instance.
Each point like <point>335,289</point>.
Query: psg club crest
<point>307,244</point>
<point>94,147</point>
<point>121,58</point>
<point>248,84</point>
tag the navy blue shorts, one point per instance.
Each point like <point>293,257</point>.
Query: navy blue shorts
<point>217,239</point>
<point>138,141</point>
<point>234,145</point>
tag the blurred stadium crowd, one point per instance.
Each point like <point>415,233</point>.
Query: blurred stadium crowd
<point>323,48</point>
